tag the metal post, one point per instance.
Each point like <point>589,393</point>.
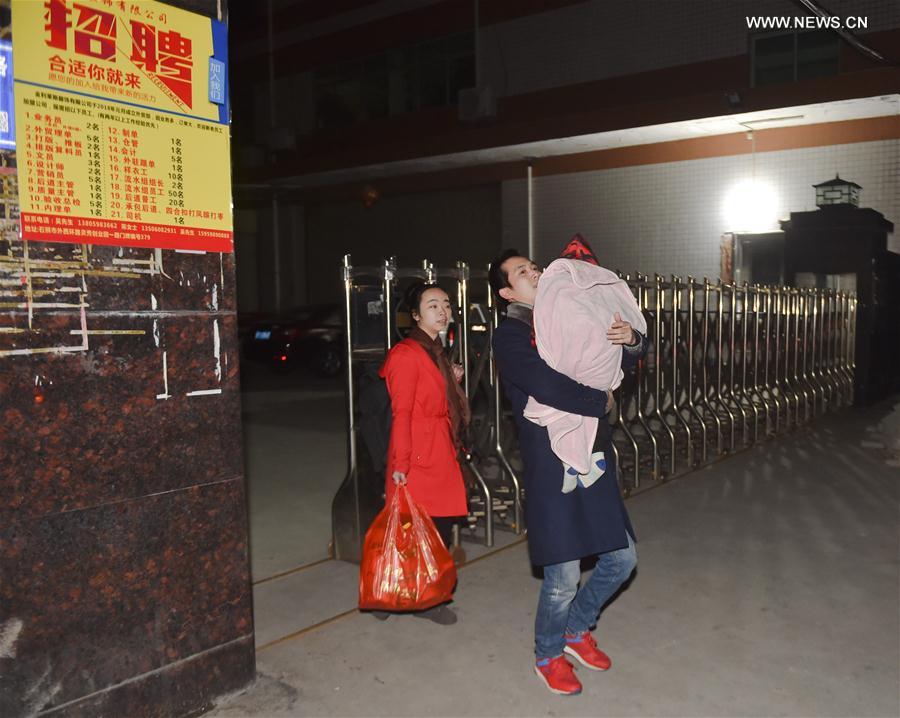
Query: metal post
<point>757,392</point>
<point>800,390</point>
<point>641,416</point>
<point>488,501</point>
<point>658,370</point>
<point>676,402</point>
<point>839,345</point>
<point>787,390</point>
<point>833,349</point>
<point>691,296</point>
<point>754,394</point>
<point>818,392</point>
<point>827,401</point>
<point>829,332</point>
<point>720,326</point>
<point>462,279</point>
<point>789,396</point>
<point>798,348</point>
<point>501,454</point>
<point>776,356</point>
<point>827,316</point>
<point>622,423</point>
<point>745,395</point>
<point>387,293</point>
<point>803,298</point>
<point>347,276</point>
<point>845,345</point>
<point>706,403</point>
<point>731,362</point>
<point>851,341</point>
<point>767,394</point>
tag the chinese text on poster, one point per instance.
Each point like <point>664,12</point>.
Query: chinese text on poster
<point>122,124</point>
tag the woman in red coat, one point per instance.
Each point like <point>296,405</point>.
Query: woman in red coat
<point>429,412</point>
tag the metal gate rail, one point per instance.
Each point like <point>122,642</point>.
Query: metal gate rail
<point>729,366</point>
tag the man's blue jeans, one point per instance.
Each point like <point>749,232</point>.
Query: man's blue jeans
<point>564,608</point>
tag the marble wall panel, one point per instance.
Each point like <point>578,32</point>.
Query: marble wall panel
<point>198,281</point>
<point>101,595</point>
<point>40,279</point>
<point>178,690</point>
<point>112,422</point>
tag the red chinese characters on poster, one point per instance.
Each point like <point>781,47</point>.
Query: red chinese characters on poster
<point>124,119</point>
<point>160,55</point>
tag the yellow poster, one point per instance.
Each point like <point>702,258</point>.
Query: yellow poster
<point>122,124</point>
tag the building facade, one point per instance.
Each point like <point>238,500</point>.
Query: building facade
<point>652,128</point>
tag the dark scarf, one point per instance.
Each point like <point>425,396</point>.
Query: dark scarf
<point>525,314</point>
<point>522,312</point>
<point>457,403</point>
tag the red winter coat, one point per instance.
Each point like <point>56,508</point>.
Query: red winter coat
<point>420,444</point>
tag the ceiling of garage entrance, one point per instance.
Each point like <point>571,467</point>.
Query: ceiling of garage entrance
<point>882,106</point>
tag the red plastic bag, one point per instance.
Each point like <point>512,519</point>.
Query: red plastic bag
<point>405,565</point>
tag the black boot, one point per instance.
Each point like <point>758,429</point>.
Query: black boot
<point>442,615</point>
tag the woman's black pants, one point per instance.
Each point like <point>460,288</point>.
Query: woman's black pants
<point>444,525</point>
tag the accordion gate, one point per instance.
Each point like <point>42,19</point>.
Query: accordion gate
<point>729,365</point>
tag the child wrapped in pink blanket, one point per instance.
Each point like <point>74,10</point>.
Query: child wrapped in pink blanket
<point>575,305</point>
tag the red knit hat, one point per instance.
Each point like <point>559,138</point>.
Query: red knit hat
<point>578,248</point>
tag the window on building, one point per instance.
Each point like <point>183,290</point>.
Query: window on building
<point>817,55</point>
<point>374,87</point>
<point>431,71</point>
<point>460,65</point>
<point>395,81</point>
<point>791,56</point>
<point>401,77</point>
<point>339,95</point>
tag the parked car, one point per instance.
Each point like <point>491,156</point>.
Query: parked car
<point>308,335</point>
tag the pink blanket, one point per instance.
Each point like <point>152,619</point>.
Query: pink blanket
<point>575,306</point>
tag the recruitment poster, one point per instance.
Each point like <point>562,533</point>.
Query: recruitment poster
<point>121,121</point>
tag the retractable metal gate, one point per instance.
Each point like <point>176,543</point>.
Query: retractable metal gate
<point>371,299</point>
<point>729,365</point>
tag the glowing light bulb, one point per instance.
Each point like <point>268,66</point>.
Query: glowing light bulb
<point>751,206</point>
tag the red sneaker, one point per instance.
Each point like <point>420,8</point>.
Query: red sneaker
<point>558,676</point>
<point>583,647</point>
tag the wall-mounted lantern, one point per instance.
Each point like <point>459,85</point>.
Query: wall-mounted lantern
<point>837,192</point>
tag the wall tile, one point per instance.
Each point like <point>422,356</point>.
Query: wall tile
<point>112,592</point>
<point>668,218</point>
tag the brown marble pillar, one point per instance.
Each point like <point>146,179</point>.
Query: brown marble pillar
<point>124,578</point>
<point>124,585</point>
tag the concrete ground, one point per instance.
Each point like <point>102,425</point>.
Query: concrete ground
<point>767,585</point>
<point>295,458</point>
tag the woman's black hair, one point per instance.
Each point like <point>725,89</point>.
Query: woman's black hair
<point>412,297</point>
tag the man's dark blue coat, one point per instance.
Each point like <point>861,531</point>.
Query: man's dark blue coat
<point>587,521</point>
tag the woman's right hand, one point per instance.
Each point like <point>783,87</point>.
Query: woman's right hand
<point>399,477</point>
